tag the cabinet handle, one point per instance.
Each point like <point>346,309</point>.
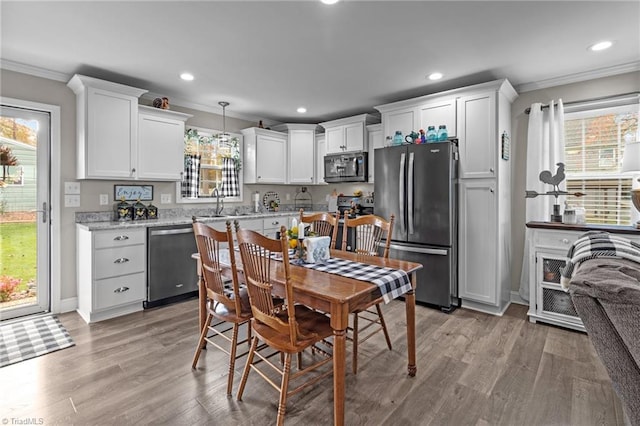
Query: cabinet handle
<point>491,170</point>
<point>491,190</point>
<point>133,170</point>
<point>121,238</point>
<point>121,289</point>
<point>275,223</point>
<point>565,241</point>
<point>121,260</point>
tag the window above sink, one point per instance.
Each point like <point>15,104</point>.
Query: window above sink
<point>211,162</point>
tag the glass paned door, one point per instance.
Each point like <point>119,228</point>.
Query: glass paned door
<point>24,212</point>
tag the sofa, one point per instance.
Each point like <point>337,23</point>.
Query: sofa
<point>606,295</point>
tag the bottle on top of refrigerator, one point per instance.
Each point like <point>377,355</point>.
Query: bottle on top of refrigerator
<point>432,135</point>
<point>442,133</point>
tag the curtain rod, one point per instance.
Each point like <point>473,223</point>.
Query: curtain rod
<point>601,98</point>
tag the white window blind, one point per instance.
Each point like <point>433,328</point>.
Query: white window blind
<point>594,146</point>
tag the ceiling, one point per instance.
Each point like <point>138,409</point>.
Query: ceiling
<point>269,58</point>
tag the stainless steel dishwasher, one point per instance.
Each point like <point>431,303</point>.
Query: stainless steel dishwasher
<point>171,272</point>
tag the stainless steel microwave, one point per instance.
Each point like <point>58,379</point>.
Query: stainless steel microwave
<point>345,167</point>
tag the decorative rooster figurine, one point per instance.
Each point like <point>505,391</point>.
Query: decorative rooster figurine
<point>545,176</point>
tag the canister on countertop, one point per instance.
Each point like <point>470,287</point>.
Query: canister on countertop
<point>124,210</point>
<point>569,217</point>
<point>152,211</point>
<point>139,211</point>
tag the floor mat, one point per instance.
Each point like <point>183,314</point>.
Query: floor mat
<point>31,338</point>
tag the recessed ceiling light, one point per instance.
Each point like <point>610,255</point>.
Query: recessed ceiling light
<point>435,76</point>
<point>302,110</point>
<point>186,76</point>
<point>329,1</point>
<point>600,46</point>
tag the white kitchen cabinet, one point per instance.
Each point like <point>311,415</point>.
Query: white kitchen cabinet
<point>403,120</point>
<point>347,134</point>
<point>301,152</point>
<point>437,113</point>
<point>112,279</point>
<point>374,134</point>
<point>477,135</point>
<point>484,234</point>
<point>321,151</point>
<point>548,247</point>
<point>478,265</point>
<point>106,127</point>
<point>160,144</point>
<point>265,156</point>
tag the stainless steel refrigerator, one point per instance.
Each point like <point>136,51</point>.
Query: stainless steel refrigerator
<point>417,183</point>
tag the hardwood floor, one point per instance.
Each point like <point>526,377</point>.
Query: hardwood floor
<point>473,369</point>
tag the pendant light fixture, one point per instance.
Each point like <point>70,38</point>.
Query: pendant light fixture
<point>225,136</point>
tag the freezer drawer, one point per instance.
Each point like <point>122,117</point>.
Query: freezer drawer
<point>437,282</point>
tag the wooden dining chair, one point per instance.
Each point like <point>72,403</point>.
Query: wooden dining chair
<point>227,303</point>
<point>324,224</point>
<point>369,232</point>
<point>288,328</point>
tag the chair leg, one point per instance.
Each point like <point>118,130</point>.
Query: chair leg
<point>232,358</point>
<point>247,367</point>
<point>354,363</point>
<point>284,388</point>
<point>203,334</point>
<point>384,326</point>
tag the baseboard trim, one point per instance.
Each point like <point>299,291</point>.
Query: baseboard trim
<point>515,298</point>
<point>68,305</point>
<point>482,307</point>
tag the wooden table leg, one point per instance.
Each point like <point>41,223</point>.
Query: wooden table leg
<point>339,356</point>
<point>410,304</point>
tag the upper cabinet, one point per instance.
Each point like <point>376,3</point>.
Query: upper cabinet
<point>419,113</point>
<point>265,156</point>
<point>347,134</point>
<point>321,151</point>
<point>160,132</point>
<point>374,133</point>
<point>109,143</point>
<point>301,143</point>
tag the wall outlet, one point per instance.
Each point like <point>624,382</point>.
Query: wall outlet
<point>104,199</point>
<point>72,188</point>
<point>165,198</point>
<point>72,201</point>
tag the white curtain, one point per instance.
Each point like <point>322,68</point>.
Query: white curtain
<point>545,148</point>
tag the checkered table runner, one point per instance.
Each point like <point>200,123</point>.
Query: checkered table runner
<point>391,282</point>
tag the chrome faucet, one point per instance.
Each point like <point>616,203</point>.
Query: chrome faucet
<point>219,202</point>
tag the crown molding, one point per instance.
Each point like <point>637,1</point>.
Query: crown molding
<point>581,76</point>
<point>35,71</point>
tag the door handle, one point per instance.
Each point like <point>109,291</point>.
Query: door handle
<point>410,194</point>
<point>44,212</point>
<point>401,191</point>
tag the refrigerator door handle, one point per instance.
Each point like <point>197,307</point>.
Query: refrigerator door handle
<point>410,193</point>
<point>438,252</point>
<point>401,191</point>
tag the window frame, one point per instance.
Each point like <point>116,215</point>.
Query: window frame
<point>203,131</point>
<point>615,105</point>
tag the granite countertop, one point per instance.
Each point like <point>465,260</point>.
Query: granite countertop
<point>179,220</point>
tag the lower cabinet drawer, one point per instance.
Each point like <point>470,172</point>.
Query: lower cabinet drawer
<point>120,237</point>
<point>555,239</point>
<point>111,262</point>
<point>112,292</point>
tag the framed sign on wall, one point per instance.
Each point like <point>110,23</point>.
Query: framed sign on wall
<point>133,192</point>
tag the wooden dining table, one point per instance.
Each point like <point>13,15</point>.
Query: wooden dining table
<point>338,296</point>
